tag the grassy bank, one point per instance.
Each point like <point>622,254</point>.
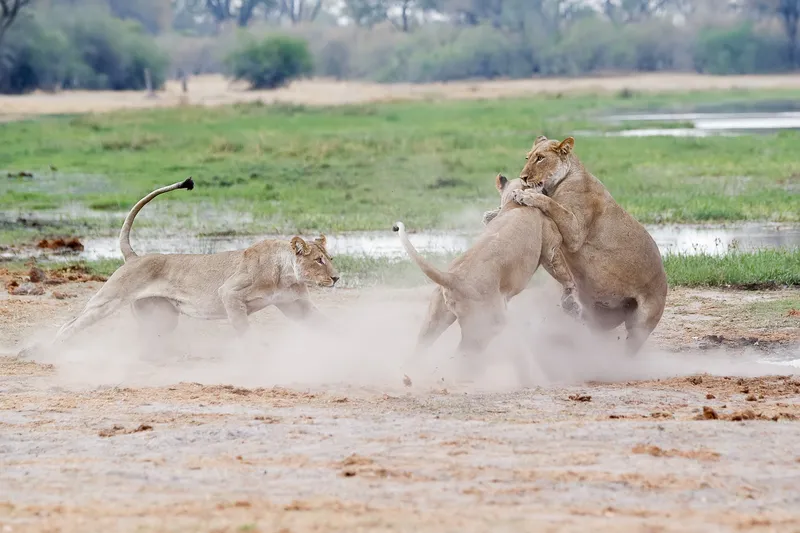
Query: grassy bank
<point>362,167</point>
<point>762,269</point>
<point>756,270</point>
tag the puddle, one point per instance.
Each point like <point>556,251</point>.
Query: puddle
<point>706,124</point>
<point>684,239</point>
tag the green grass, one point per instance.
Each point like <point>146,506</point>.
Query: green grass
<point>742,270</point>
<point>362,167</point>
<point>762,269</point>
<point>773,309</point>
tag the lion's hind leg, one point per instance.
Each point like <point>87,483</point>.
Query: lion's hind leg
<point>480,323</point>
<point>157,318</point>
<point>439,318</point>
<point>102,304</point>
<point>641,322</point>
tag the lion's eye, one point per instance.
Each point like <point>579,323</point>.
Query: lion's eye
<point>321,261</point>
<point>539,158</point>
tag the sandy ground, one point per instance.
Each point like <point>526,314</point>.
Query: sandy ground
<point>213,90</point>
<point>182,449</point>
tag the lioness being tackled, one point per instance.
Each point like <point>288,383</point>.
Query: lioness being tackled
<point>228,285</point>
<point>478,285</point>
<point>615,263</point>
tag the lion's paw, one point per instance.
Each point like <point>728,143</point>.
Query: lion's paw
<point>488,216</point>
<point>570,305</point>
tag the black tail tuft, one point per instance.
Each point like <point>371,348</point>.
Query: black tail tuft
<point>187,184</point>
<point>395,228</point>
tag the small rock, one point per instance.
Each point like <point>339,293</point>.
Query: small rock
<point>747,414</point>
<point>580,398</point>
<point>63,295</point>
<point>27,289</point>
<point>695,380</point>
<point>406,380</point>
<point>36,275</point>
<point>710,396</point>
<point>751,398</point>
<point>709,413</point>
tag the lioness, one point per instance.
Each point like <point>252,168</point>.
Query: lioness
<point>478,284</point>
<point>228,285</point>
<point>615,263</point>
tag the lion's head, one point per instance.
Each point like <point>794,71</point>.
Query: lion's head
<point>506,187</point>
<point>313,262</point>
<point>548,163</point>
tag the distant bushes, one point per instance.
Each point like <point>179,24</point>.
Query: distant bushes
<point>739,50</point>
<point>588,45</point>
<point>271,62</point>
<point>93,50</point>
<point>55,50</point>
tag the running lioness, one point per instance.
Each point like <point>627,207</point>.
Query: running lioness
<point>223,285</point>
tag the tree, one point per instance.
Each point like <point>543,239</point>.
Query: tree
<point>224,10</point>
<point>366,13</point>
<point>154,15</point>
<point>407,10</point>
<point>789,13</point>
<point>625,11</point>
<point>9,11</point>
<point>401,13</point>
<point>300,10</point>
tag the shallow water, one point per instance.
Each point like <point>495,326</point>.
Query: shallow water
<point>684,239</point>
<point>706,124</point>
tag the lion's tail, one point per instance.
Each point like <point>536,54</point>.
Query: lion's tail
<point>445,279</point>
<point>125,232</point>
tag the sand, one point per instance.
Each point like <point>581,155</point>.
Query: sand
<point>189,444</point>
<point>214,90</point>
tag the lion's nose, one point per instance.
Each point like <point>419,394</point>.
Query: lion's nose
<point>335,278</point>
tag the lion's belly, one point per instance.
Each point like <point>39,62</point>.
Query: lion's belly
<point>206,308</point>
<point>610,275</point>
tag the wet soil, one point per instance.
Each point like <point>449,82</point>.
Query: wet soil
<point>695,452</point>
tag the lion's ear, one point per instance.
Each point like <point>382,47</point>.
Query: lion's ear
<point>300,246</point>
<point>500,182</point>
<point>321,240</point>
<point>565,146</point>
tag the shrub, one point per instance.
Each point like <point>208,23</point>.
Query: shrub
<point>113,54</point>
<point>34,58</point>
<point>738,50</point>
<point>445,54</point>
<point>51,50</point>
<point>270,63</point>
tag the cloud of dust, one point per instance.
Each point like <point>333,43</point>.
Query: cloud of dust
<point>370,342</point>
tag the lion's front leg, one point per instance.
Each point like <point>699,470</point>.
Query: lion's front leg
<point>233,295</point>
<point>573,235</point>
<point>302,309</point>
<point>552,259</point>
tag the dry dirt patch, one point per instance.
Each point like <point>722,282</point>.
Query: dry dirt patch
<point>227,457</point>
<point>212,90</point>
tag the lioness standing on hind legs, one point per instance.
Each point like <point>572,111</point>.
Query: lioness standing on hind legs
<point>478,285</point>
<point>615,263</point>
<point>232,285</point>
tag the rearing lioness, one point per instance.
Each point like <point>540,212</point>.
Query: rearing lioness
<point>615,263</point>
<point>228,285</point>
<point>478,285</point>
